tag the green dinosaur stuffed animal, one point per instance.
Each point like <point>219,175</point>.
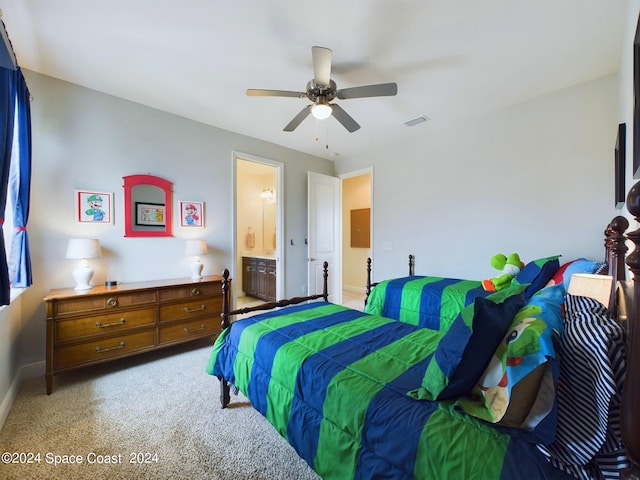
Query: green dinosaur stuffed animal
<point>510,267</point>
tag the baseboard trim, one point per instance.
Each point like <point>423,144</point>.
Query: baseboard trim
<point>351,288</point>
<point>25,372</point>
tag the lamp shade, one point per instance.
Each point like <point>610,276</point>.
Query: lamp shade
<point>195,248</point>
<point>82,248</point>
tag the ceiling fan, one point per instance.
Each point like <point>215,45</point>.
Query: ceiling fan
<point>321,90</point>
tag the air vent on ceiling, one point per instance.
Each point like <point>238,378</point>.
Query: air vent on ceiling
<point>416,121</point>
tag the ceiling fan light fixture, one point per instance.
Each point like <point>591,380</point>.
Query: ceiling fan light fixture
<point>321,111</point>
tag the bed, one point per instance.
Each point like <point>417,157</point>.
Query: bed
<point>362,395</point>
<point>434,302</point>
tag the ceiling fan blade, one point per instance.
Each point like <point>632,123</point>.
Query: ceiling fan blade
<point>321,65</point>
<point>253,92</point>
<point>379,90</point>
<point>344,118</point>
<point>297,120</point>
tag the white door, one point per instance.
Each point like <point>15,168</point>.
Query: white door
<point>324,205</point>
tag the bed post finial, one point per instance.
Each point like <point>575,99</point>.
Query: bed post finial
<point>615,243</point>
<point>368,289</point>
<point>615,251</point>
<point>226,307</point>
<point>630,414</point>
<point>325,286</point>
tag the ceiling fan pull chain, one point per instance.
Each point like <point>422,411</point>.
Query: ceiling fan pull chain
<point>326,146</point>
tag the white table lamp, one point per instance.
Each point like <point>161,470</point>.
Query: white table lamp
<point>83,249</point>
<point>195,249</point>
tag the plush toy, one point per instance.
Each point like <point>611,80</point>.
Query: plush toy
<point>510,267</point>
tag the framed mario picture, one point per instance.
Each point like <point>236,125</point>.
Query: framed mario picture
<point>191,214</point>
<point>93,207</point>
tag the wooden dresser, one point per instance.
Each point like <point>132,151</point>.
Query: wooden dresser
<point>106,323</point>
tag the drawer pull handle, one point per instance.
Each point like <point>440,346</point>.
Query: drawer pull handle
<point>191,330</point>
<point>102,350</point>
<point>191,310</point>
<point>112,302</point>
<point>114,324</point>
<point>195,291</point>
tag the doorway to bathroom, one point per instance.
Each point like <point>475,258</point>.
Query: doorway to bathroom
<point>259,269</point>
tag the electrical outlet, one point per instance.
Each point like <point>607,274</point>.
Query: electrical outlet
<point>303,289</point>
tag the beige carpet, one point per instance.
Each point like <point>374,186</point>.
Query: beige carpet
<point>160,405</point>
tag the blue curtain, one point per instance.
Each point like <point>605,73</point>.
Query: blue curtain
<point>7,114</point>
<point>20,187</point>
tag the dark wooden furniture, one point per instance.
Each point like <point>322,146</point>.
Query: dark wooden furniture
<point>630,410</point>
<point>259,278</point>
<point>227,313</point>
<point>106,323</point>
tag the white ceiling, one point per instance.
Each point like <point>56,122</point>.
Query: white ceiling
<point>196,58</point>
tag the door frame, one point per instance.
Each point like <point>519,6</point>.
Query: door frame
<point>280,257</point>
<point>357,173</point>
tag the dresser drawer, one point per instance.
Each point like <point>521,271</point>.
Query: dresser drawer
<point>93,304</point>
<point>101,324</point>
<point>74,355</point>
<point>195,290</point>
<point>188,330</point>
<point>195,308</point>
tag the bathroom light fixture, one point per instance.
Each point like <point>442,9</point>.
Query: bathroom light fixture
<point>267,193</point>
<point>83,249</point>
<point>321,111</point>
<point>195,249</point>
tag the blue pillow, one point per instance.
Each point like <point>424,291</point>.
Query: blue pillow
<point>579,266</point>
<point>465,350</point>
<point>537,273</point>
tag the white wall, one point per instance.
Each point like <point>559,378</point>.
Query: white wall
<point>85,139</point>
<point>10,330</point>
<point>535,178</point>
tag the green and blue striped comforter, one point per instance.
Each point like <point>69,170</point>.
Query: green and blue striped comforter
<point>430,302</point>
<point>333,383</point>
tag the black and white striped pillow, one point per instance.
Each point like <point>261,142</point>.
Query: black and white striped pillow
<point>592,366</point>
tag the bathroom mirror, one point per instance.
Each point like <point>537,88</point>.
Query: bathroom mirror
<point>147,206</point>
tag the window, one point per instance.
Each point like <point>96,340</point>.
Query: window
<point>15,181</point>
